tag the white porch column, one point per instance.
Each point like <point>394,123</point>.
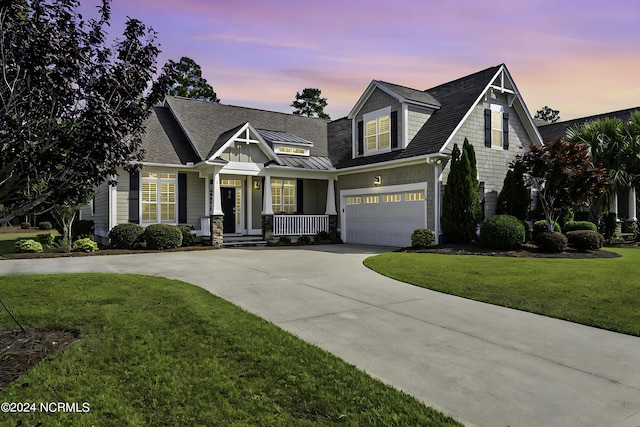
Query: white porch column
<point>217,203</point>
<point>113,204</point>
<point>207,200</point>
<point>614,207</point>
<point>436,201</point>
<point>331,198</point>
<point>267,203</point>
<point>632,204</point>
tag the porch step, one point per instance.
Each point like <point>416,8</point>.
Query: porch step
<point>243,241</point>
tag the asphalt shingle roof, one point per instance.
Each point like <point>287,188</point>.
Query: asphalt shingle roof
<point>164,141</point>
<point>551,132</point>
<point>414,95</point>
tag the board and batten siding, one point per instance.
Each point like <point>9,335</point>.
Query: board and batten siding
<point>195,199</point>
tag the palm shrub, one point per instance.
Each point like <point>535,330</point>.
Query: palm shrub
<point>461,198</point>
<point>84,245</point>
<point>126,236</point>
<point>585,240</point>
<point>579,225</point>
<point>551,242</point>
<point>27,245</point>
<point>422,238</point>
<point>502,232</point>
<point>163,236</point>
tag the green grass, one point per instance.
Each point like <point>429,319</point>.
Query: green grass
<point>158,352</point>
<point>8,240</point>
<point>604,292</point>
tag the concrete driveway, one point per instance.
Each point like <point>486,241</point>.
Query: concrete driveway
<point>482,364</point>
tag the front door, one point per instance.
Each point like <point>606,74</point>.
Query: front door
<point>229,209</point>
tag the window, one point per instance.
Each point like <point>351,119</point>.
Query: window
<point>377,130</point>
<point>158,197</point>
<point>372,199</point>
<point>292,150</point>
<point>392,198</point>
<point>354,200</point>
<point>496,128</point>
<point>283,195</point>
<point>230,183</point>
<point>413,197</point>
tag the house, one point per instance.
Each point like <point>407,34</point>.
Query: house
<point>624,206</point>
<point>373,176</point>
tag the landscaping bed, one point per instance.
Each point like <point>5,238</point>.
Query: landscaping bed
<point>525,251</point>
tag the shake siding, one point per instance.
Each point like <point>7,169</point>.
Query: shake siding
<point>492,163</point>
<point>417,117</point>
<point>380,99</point>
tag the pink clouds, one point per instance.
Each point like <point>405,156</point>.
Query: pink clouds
<point>576,56</point>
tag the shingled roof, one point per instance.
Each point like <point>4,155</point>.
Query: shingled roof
<point>551,132</point>
<point>164,141</point>
<point>455,98</point>
<point>205,122</point>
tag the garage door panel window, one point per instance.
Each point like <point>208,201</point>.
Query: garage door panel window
<point>392,198</point>
<point>354,200</point>
<point>372,199</point>
<point>414,197</point>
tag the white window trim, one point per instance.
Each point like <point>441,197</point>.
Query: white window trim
<point>280,209</point>
<point>375,115</point>
<point>498,109</point>
<point>159,182</point>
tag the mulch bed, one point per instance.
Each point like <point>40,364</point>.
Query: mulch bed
<point>21,351</point>
<point>526,251</point>
<point>55,253</point>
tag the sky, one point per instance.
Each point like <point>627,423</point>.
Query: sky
<point>579,57</point>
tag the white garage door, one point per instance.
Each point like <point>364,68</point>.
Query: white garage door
<point>385,219</point>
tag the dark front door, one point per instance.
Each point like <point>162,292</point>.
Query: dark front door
<point>229,209</point>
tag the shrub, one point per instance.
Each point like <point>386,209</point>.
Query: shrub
<point>188,239</point>
<point>579,225</point>
<point>28,245</point>
<point>527,231</point>
<point>304,240</point>
<point>126,236</point>
<point>45,239</point>
<point>502,232</point>
<point>585,240</point>
<point>284,240</point>
<point>163,236</point>
<point>45,225</point>
<point>25,225</point>
<point>85,245</point>
<point>541,226</point>
<point>334,238</point>
<point>610,221</point>
<point>322,236</point>
<point>551,242</point>
<point>422,238</point>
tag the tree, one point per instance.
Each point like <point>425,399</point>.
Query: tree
<point>514,199</point>
<point>310,104</point>
<point>616,146</point>
<point>547,114</point>
<point>71,107</point>
<point>185,79</point>
<point>461,199</point>
<point>563,175</point>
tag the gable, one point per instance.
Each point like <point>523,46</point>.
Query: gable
<point>242,144</point>
<point>244,153</point>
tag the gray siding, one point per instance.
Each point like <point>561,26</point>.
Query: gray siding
<point>242,152</point>
<point>195,199</point>
<point>416,118</point>
<point>123,198</point>
<point>314,197</point>
<point>492,163</point>
<point>101,217</point>
<point>380,99</point>
<point>256,204</point>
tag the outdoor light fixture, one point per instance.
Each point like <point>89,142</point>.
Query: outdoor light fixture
<point>377,180</point>
<point>256,185</point>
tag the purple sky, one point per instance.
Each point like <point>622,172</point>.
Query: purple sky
<point>580,57</point>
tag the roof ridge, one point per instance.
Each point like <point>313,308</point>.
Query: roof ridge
<point>593,116</point>
<point>495,67</point>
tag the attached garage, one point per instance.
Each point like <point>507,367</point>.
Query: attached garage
<point>382,216</point>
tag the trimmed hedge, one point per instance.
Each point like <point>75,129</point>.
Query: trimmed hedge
<point>126,236</point>
<point>45,225</point>
<point>579,225</point>
<point>188,239</point>
<point>163,236</point>
<point>26,246</point>
<point>551,242</point>
<point>541,227</point>
<point>585,240</point>
<point>422,238</point>
<point>85,245</point>
<point>502,232</point>
<point>25,225</point>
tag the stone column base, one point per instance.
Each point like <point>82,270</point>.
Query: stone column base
<point>267,227</point>
<point>333,224</point>
<point>216,224</point>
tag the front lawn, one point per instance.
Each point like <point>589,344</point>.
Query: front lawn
<point>604,292</point>
<point>158,352</point>
<point>11,235</point>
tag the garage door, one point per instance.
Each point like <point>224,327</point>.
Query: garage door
<point>385,219</point>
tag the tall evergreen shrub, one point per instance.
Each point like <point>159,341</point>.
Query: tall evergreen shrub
<point>514,199</point>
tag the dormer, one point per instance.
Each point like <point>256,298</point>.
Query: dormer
<point>387,117</point>
<point>285,143</point>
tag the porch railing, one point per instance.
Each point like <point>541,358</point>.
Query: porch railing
<point>299,225</point>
